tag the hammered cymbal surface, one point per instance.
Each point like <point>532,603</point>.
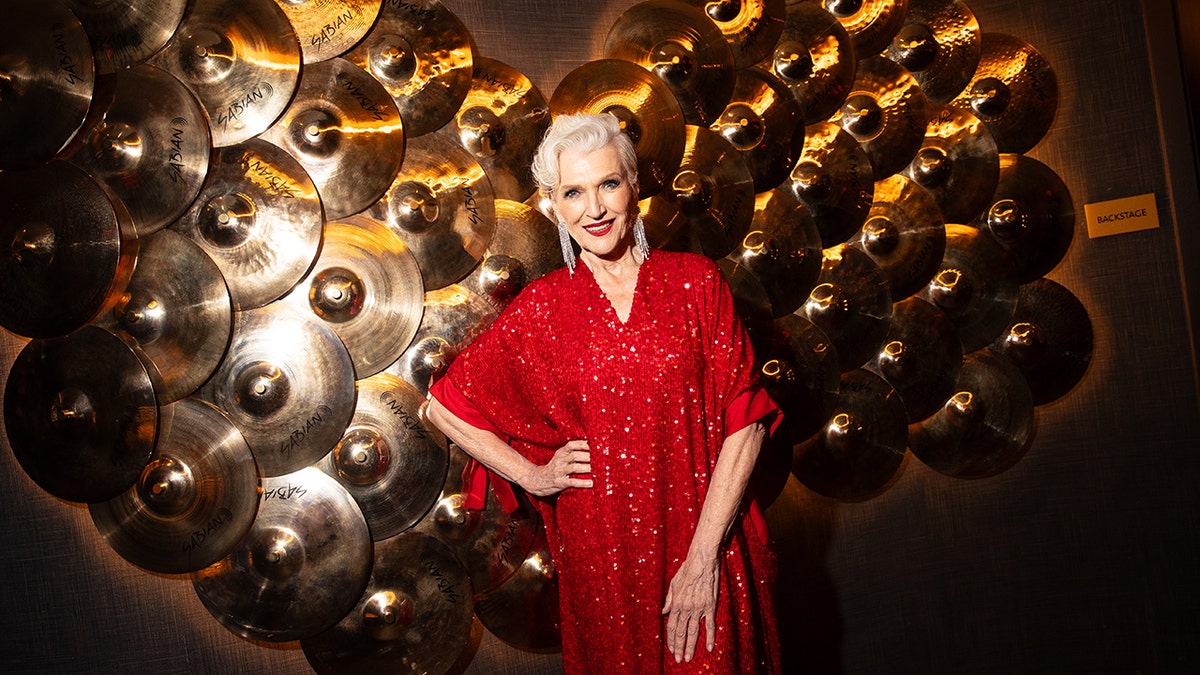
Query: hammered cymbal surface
<point>815,58</point>
<point>976,286</point>
<point>904,234</point>
<point>764,122</point>
<point>782,249</point>
<point>958,163</point>
<point>886,112</point>
<point>124,33</point>
<point>524,247</point>
<point>851,303</point>
<point>751,27</point>
<point>329,28</point>
<point>834,180</point>
<point>940,44</point>
<point>454,316</point>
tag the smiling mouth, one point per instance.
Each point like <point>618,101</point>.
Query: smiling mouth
<point>599,229</point>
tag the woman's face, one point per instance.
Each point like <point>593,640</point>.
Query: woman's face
<point>596,200</point>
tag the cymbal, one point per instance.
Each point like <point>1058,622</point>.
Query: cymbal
<point>193,502</point>
<point>751,302</point>
<point>148,141</point>
<point>287,383</point>
<point>415,615</point>
<point>70,249</point>
<point>782,249</point>
<point>422,54</point>
<point>1014,91</point>
<point>1049,339</point>
<point>904,234</point>
<point>859,451</point>
<point>871,23</point>
<point>80,414</point>
<point>176,308</point>
<point>764,122</point>
<point>958,163</point>
<point>646,108</point>
<point>886,113</point>
<point>441,204</point>
<point>524,247</point>
<point>256,195</point>
<point>126,32</point>
<point>523,612</point>
<point>939,44</point>
<point>47,76</point>
<point>751,27</point>
<point>329,28</point>
<point>834,180</point>
<point>815,58</point>
<point>345,131</point>
<point>709,204</point>
<point>684,48</point>
<point>851,303</point>
<point>501,121</point>
<point>976,286</point>
<point>301,567</point>
<point>1031,215</point>
<point>984,427</point>
<point>241,58</point>
<point>453,317</point>
<point>921,357</point>
<point>366,286</point>
<point>801,373</point>
<point>388,459</point>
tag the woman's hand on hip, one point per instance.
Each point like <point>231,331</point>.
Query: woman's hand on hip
<point>692,599</point>
<point>560,472</point>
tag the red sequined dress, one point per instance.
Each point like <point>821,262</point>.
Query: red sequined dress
<point>655,398</point>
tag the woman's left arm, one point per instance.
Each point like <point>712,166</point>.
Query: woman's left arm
<point>692,595</point>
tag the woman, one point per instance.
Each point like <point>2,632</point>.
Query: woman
<point>619,393</point>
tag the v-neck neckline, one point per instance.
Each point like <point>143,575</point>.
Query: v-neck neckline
<point>633,302</point>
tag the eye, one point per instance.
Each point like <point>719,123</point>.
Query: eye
<point>570,193</point>
<point>611,184</point>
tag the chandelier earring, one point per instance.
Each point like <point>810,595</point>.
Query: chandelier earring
<point>568,253</point>
<point>639,238</point>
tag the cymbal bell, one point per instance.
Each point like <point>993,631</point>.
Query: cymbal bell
<point>366,286</point>
<point>976,286</point>
<point>939,44</point>
<point>389,460</point>
<point>782,249</point>
<point>47,77</point>
<point>1031,215</point>
<point>525,247</point>
<point>256,195</point>
<point>193,502</point>
<point>80,414</point>
<point>834,180</point>
<point>681,46</point>
<point>886,113</point>
<point>645,107</point>
<point>802,374</point>
<point>764,122</point>
<point>241,58</point>
<point>329,28</point>
<point>126,32</point>
<point>904,234</point>
<point>851,303</point>
<point>287,383</point>
<point>815,58</point>
<point>523,612</point>
<point>309,541</point>
<point>751,27</point>
<point>921,357</point>
<point>958,163</point>
<point>871,23</point>
<point>454,316</point>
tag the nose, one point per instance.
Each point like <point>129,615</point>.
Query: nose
<point>595,206</point>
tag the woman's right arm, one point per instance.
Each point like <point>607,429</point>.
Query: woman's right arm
<point>540,480</point>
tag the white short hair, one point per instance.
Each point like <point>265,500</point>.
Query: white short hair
<point>580,133</point>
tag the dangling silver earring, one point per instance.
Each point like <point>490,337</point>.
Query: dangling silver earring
<point>568,252</point>
<point>639,237</point>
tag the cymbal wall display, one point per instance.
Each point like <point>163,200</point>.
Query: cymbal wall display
<point>293,205</point>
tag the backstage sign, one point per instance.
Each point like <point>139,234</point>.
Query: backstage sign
<point>1118,216</point>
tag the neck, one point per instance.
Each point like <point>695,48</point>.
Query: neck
<point>617,263</point>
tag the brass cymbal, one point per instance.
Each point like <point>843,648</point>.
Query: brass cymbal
<point>976,286</point>
<point>501,121</point>
<point>193,502</point>
<point>422,54</point>
<point>524,247</point>
<point>241,58</point>
<point>752,304</point>
<point>329,28</point>
<point>886,113</point>
<point>921,357</point>
<point>388,459</point>
<point>453,317</point>
<point>1031,215</point>
<point>801,373</point>
<point>1049,339</point>
<point>782,249</point>
<point>958,163</point>
<point>684,48</point>
<point>871,23</point>
<point>367,287</point>
<point>646,108</point>
<point>287,383</point>
<point>858,453</point>
<point>709,204</point>
<point>301,567</point>
<point>834,180</point>
<point>47,76</point>
<point>176,308</point>
<point>851,303</point>
<point>815,58</point>
<point>126,32</point>
<point>752,27</point>
<point>80,414</point>
<point>441,204</point>
<point>939,44</point>
<point>70,248</point>
<point>346,132</point>
<point>414,617</point>
<point>1014,91</point>
<point>256,195</point>
<point>523,612</point>
<point>984,427</point>
<point>764,122</point>
<point>904,234</point>
<point>148,141</point>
